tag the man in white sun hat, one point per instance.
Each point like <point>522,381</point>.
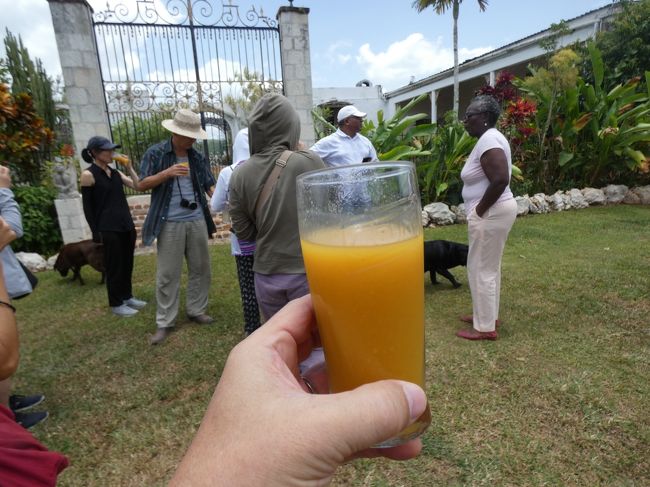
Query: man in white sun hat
<point>179,218</point>
<point>346,145</point>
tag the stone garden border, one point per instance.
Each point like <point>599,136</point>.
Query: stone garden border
<point>440,214</point>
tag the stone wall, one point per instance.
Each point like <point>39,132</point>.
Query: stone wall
<point>72,221</point>
<point>84,90</point>
<point>296,65</point>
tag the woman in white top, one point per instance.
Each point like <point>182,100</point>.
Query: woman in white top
<point>241,249</point>
<point>491,211</point>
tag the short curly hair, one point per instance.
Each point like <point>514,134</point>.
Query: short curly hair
<point>489,105</point>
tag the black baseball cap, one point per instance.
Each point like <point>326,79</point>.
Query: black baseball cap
<point>101,143</point>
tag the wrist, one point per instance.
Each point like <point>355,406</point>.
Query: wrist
<point>7,305</point>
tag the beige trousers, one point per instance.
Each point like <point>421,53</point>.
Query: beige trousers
<point>180,241</point>
<point>487,239</point>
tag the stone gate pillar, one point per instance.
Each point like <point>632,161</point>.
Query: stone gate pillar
<point>84,91</point>
<point>296,65</point>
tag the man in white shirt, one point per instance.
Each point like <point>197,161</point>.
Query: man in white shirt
<point>346,145</point>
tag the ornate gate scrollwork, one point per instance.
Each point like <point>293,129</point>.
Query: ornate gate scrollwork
<point>158,56</point>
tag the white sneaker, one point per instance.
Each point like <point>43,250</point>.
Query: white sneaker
<point>124,311</point>
<point>135,303</point>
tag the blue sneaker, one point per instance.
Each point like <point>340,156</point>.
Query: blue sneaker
<point>29,420</point>
<point>135,303</point>
<point>20,403</point>
<point>124,311</point>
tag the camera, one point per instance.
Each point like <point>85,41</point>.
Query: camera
<point>190,205</point>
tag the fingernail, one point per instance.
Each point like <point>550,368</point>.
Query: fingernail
<point>416,398</point>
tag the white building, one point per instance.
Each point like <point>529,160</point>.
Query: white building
<point>473,73</point>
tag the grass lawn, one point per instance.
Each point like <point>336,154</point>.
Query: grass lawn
<point>562,398</point>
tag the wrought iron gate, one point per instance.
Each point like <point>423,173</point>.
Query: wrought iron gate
<point>157,56</point>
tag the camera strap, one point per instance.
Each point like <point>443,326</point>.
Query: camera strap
<point>181,192</point>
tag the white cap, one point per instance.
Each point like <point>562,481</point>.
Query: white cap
<point>349,111</point>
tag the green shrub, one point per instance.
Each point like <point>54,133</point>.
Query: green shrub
<point>41,233</point>
<point>448,146</point>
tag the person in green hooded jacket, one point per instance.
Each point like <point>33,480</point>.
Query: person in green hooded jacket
<point>274,127</point>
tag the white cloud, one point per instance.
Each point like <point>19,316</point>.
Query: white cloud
<point>344,58</point>
<point>31,20</point>
<point>414,56</point>
<point>339,53</point>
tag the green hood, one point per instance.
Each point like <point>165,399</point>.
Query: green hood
<point>273,125</point>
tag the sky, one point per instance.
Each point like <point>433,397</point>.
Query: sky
<point>384,41</point>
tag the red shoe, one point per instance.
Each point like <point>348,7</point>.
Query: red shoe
<point>473,334</point>
<point>470,319</point>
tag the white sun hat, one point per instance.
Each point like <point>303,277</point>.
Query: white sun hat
<point>186,123</point>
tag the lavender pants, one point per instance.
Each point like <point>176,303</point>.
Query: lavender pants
<point>275,290</point>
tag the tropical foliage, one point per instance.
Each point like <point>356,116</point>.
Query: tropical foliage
<point>439,174</point>
<point>586,135</point>
<point>29,76</point>
<point>438,151</point>
<point>626,45</point>
<point>322,126</point>
<point>22,135</point>
<point>549,88</point>
<point>394,138</point>
<point>41,232</point>
<point>517,121</point>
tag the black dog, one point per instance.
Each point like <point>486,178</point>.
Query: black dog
<point>440,255</point>
<point>74,256</point>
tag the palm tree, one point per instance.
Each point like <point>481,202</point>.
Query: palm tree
<point>441,6</point>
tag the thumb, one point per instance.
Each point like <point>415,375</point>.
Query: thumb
<point>373,413</point>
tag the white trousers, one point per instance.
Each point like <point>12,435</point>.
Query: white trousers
<point>487,239</point>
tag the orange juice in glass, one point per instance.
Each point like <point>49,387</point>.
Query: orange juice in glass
<point>185,164</point>
<point>121,158</point>
<point>361,236</point>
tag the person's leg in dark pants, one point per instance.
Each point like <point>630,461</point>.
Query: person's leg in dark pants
<point>128,247</point>
<point>114,265</point>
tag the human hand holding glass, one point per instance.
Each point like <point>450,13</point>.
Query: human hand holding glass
<point>263,427</point>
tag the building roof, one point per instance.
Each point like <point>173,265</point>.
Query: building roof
<point>581,20</point>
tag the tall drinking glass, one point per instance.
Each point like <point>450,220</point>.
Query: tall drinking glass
<point>361,235</point>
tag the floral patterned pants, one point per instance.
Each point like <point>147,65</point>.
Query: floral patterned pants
<point>247,289</point>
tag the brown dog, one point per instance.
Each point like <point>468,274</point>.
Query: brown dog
<point>76,255</point>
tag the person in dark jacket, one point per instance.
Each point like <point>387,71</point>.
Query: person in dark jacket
<point>109,218</point>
